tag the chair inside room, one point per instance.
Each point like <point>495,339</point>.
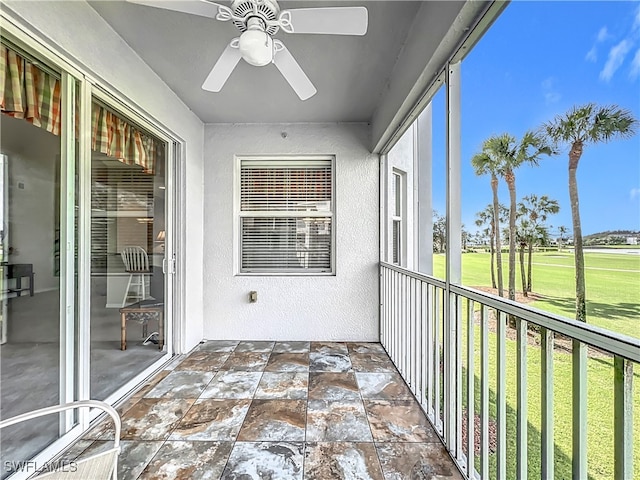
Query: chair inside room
<point>136,264</point>
<point>149,309</point>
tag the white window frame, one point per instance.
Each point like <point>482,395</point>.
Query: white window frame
<point>238,215</point>
<point>398,208</point>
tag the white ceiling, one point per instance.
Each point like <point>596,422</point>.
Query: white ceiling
<point>350,73</point>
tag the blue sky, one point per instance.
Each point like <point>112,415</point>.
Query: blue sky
<point>538,60</point>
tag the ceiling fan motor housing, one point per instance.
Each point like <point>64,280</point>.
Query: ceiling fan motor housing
<point>266,10</point>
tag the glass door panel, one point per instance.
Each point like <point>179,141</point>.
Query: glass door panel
<point>127,250</point>
<point>38,232</point>
<point>30,285</point>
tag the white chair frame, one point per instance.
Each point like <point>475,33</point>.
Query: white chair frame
<point>103,465</point>
<point>136,263</point>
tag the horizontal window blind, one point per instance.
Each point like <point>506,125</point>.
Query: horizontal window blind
<point>395,254</point>
<point>286,218</point>
<point>285,187</point>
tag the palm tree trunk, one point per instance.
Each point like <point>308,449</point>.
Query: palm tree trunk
<point>492,240</point>
<point>529,266</point>
<point>496,220</point>
<point>511,183</point>
<point>581,306</point>
<point>523,274</point>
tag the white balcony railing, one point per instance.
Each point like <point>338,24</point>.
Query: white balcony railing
<point>430,330</point>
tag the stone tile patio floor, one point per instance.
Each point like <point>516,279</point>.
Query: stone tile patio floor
<point>275,410</point>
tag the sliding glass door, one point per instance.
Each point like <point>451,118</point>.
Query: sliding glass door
<point>36,202</point>
<point>128,233</point>
<point>85,228</point>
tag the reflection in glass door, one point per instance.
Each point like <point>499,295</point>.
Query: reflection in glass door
<point>4,238</point>
<point>38,232</point>
<point>30,285</point>
<point>128,316</point>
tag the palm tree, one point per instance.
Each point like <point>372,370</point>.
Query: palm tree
<point>581,126</point>
<point>562,230</point>
<point>485,217</point>
<point>536,210</point>
<point>511,154</point>
<point>487,162</point>
<point>524,238</point>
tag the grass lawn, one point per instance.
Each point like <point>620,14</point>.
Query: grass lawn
<point>612,280</point>
<point>599,411</point>
<point>613,302</point>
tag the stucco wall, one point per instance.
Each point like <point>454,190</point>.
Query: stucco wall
<point>340,307</point>
<point>401,158</point>
<point>78,32</point>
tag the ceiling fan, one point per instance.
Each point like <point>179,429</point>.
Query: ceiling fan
<point>258,21</point>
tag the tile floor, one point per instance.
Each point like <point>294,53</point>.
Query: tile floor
<point>278,411</point>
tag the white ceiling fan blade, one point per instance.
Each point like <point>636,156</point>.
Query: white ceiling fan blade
<point>292,72</point>
<point>329,20</point>
<point>221,71</point>
<point>203,8</point>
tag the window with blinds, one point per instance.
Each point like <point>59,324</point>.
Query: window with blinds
<point>396,218</point>
<point>286,216</point>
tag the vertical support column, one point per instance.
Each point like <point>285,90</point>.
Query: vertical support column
<point>522,437</point>
<point>579,366</point>
<point>423,178</point>
<point>431,299</point>
<point>547,427</point>
<point>84,250</point>
<point>453,391</point>
<point>67,248</point>
<point>484,389</point>
<point>501,391</point>
<point>623,417</point>
<point>471,376</point>
<point>384,214</point>
<point>454,183</point>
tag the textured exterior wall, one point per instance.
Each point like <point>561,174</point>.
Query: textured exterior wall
<point>75,30</point>
<point>340,307</point>
<point>401,158</point>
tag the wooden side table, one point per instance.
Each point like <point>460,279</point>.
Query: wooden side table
<point>142,309</point>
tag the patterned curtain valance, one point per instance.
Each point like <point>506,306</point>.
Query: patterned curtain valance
<point>30,93</point>
<point>117,138</point>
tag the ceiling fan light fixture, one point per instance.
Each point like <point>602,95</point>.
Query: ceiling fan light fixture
<point>256,47</point>
<point>258,21</point>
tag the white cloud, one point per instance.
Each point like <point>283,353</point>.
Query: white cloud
<point>634,193</point>
<point>603,34</point>
<point>615,59</point>
<point>636,20</point>
<point>635,66</point>
<point>549,91</point>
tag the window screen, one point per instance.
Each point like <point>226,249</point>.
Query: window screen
<point>286,216</point>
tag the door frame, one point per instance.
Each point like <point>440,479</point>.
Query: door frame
<point>75,366</point>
